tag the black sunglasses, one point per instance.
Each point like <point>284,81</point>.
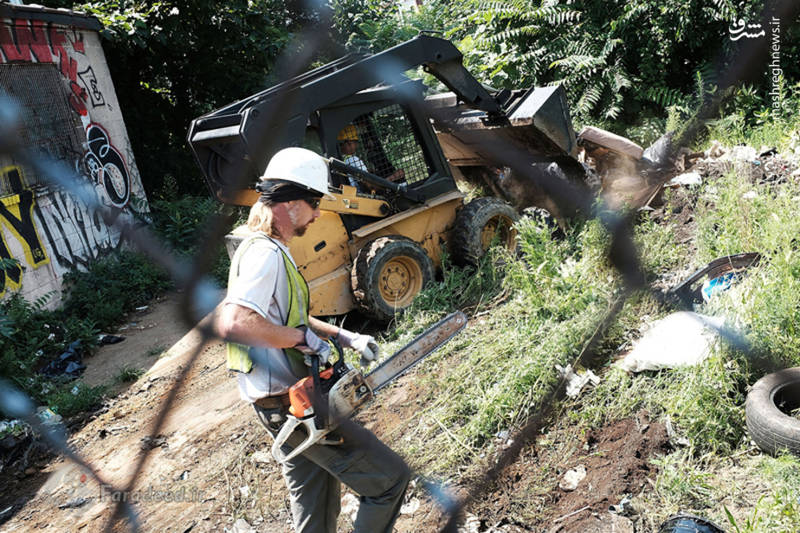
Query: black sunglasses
<point>313,202</point>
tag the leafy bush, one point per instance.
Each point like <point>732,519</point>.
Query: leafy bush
<point>182,223</point>
<point>94,300</point>
<point>111,287</point>
<point>32,336</point>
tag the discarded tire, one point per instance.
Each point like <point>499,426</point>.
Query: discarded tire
<point>478,224</point>
<point>767,410</point>
<point>688,523</point>
<point>388,274</point>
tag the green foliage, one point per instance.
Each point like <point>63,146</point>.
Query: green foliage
<point>111,287</point>
<point>182,223</point>
<point>750,117</point>
<point>610,68</point>
<point>681,482</point>
<point>94,300</point>
<point>551,300</point>
<point>376,25</point>
<point>128,374</point>
<point>33,336</point>
<point>73,398</point>
<point>623,64</point>
<point>460,287</point>
<point>764,221</point>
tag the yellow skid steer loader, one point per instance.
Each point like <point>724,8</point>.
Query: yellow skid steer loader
<point>396,206</point>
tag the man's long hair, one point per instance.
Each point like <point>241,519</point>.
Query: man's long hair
<point>260,219</point>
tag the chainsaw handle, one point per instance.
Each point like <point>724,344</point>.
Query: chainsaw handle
<point>320,409</point>
<point>314,435</point>
<point>339,367</point>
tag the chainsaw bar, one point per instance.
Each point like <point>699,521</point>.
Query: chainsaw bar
<point>415,351</point>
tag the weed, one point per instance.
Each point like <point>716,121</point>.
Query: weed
<point>682,482</point>
<point>181,223</point>
<point>128,374</point>
<point>36,336</point>
<point>74,398</point>
<point>111,287</point>
<point>657,248</point>
<point>553,297</point>
<point>158,350</point>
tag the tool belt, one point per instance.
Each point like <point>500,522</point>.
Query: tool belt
<point>273,402</point>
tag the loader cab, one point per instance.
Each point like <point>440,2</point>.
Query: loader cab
<point>393,135</point>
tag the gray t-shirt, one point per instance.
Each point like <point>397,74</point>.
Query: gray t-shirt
<point>262,286</point>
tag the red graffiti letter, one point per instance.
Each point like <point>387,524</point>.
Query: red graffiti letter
<point>77,43</point>
<point>34,38</point>
<point>9,46</point>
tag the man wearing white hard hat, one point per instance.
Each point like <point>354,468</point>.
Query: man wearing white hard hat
<point>265,319</point>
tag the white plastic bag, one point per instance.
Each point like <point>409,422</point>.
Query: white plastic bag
<point>679,339</point>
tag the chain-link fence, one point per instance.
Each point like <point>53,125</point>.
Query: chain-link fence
<point>399,150</point>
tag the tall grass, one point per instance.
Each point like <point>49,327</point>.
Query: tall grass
<point>541,308</point>
<point>545,306</point>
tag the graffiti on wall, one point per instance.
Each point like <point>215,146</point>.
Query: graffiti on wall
<point>106,166</point>
<point>33,40</point>
<point>16,215</point>
<point>89,81</point>
<point>28,41</point>
<point>75,234</point>
<point>56,228</point>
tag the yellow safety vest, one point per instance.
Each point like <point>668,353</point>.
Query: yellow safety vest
<point>239,354</point>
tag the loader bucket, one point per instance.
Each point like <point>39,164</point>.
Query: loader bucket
<point>538,122</point>
<point>535,132</point>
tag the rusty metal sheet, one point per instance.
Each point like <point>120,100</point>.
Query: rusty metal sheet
<point>415,351</point>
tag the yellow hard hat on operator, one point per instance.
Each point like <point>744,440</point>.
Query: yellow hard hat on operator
<point>348,133</point>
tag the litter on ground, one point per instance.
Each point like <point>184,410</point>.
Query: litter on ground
<point>575,382</point>
<point>680,339</point>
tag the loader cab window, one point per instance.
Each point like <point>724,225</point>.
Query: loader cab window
<point>385,142</point>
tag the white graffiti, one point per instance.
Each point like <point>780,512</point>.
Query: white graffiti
<point>75,234</point>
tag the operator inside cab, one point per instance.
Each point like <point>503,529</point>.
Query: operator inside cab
<point>348,145</point>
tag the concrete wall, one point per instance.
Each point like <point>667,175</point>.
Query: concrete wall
<point>44,228</point>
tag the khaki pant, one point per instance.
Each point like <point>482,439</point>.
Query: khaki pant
<point>366,465</point>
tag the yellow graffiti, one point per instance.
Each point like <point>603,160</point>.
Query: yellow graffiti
<point>16,214</point>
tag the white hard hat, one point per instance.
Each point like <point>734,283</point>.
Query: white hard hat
<point>300,166</point>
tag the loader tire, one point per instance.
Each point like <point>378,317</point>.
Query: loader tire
<point>478,224</point>
<point>388,274</point>
<point>766,412</point>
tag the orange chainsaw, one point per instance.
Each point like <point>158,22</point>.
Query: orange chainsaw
<point>318,402</point>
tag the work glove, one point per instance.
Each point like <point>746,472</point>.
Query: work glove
<point>363,344</point>
<point>314,345</point>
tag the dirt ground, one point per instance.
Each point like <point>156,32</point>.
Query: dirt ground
<point>210,462</point>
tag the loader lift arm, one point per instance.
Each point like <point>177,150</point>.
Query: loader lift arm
<point>233,144</point>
